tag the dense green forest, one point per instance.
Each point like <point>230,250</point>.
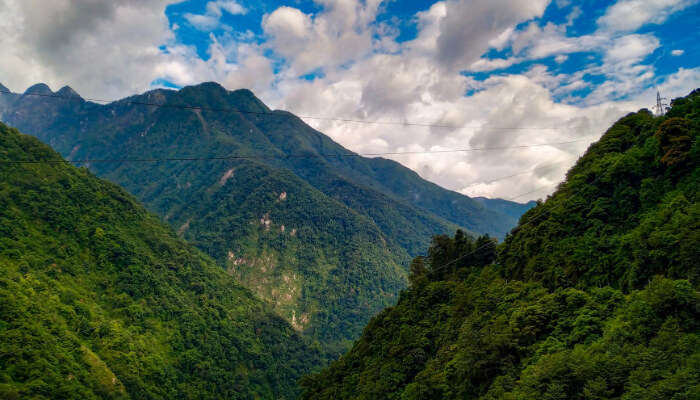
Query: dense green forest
<point>323,237</point>
<point>595,295</point>
<point>99,299</point>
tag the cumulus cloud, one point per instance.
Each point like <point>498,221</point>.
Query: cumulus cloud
<point>289,28</point>
<point>469,26</point>
<point>115,48</point>
<point>342,33</point>
<point>623,55</point>
<point>629,15</point>
<point>58,42</point>
<point>214,11</point>
<point>631,49</point>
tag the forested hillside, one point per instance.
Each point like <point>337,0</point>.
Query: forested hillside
<point>595,295</point>
<point>99,299</point>
<point>321,234</point>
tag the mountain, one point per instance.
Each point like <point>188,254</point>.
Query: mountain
<point>506,207</point>
<point>101,300</point>
<point>320,233</point>
<point>595,295</point>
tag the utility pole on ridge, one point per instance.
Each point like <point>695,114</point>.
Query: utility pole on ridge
<point>661,107</point>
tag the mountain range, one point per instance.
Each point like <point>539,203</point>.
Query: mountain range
<point>318,232</point>
<point>595,294</point>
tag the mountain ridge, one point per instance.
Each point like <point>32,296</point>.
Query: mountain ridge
<point>392,212</point>
<point>594,295</point>
<point>248,97</point>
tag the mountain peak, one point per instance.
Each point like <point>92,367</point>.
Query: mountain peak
<point>206,87</point>
<point>214,93</point>
<point>68,91</point>
<point>217,87</point>
<point>3,88</point>
<point>39,88</point>
<point>211,85</point>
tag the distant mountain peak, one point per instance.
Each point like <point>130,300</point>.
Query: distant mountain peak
<point>3,88</point>
<point>209,85</point>
<point>205,87</point>
<point>217,87</point>
<point>497,199</point>
<point>68,91</point>
<point>216,95</point>
<point>39,88</point>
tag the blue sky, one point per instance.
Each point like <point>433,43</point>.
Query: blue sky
<point>497,71</point>
<point>678,35</point>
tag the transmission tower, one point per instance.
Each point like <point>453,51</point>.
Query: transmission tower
<point>661,107</point>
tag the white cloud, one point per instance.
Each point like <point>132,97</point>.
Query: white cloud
<point>113,49</point>
<point>469,26</point>
<point>677,52</point>
<point>490,64</point>
<point>342,33</point>
<point>100,48</point>
<point>622,63</point>
<point>629,15</point>
<point>287,21</point>
<point>212,16</point>
<point>429,29</point>
<point>231,6</point>
<point>631,49</point>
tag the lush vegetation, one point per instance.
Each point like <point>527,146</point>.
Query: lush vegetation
<point>595,295</point>
<point>628,210</point>
<point>339,229</point>
<point>323,267</point>
<point>99,299</point>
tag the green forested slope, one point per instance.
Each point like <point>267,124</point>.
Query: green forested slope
<point>99,299</point>
<point>628,210</point>
<point>322,266</point>
<point>325,267</point>
<point>338,260</point>
<point>595,295</point>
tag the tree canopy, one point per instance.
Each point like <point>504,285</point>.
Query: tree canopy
<point>595,295</point>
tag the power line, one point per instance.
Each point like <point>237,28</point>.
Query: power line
<point>531,191</point>
<point>542,214</point>
<point>483,245</point>
<point>202,108</point>
<point>252,157</point>
<point>240,111</point>
<point>545,167</point>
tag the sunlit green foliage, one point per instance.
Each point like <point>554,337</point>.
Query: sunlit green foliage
<point>627,211</point>
<point>99,299</point>
<point>594,296</point>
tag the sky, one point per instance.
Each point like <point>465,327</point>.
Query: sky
<point>485,73</point>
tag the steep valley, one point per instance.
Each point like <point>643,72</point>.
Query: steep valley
<point>321,233</point>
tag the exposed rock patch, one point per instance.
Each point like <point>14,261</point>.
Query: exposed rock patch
<point>227,175</point>
<point>184,227</point>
